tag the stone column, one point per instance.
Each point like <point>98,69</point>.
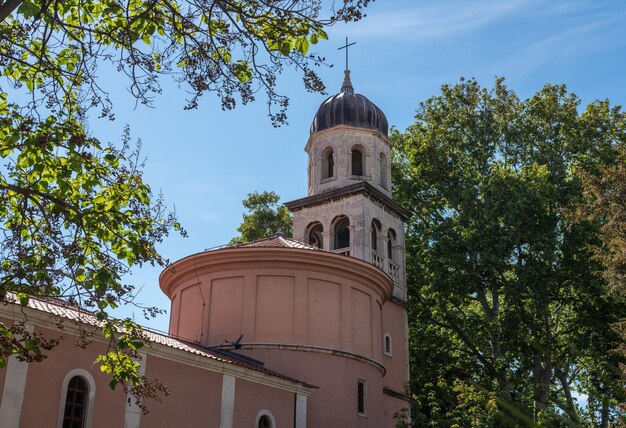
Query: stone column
<point>13,391</point>
<point>227,410</point>
<point>300,411</point>
<point>132,414</point>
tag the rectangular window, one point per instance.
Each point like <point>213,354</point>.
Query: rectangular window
<point>360,393</point>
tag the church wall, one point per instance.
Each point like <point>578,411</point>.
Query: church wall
<point>283,306</point>
<point>323,311</point>
<point>194,399</point>
<point>393,406</point>
<point>394,323</point>
<point>251,398</point>
<point>334,404</point>
<point>45,379</point>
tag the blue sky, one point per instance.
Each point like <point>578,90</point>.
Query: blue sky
<point>206,161</point>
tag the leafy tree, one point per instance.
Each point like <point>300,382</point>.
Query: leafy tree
<point>510,318</point>
<point>605,201</point>
<point>75,217</point>
<point>264,219</point>
<point>75,212</point>
<point>234,48</point>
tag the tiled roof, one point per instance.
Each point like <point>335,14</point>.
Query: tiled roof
<point>71,312</point>
<point>277,242</point>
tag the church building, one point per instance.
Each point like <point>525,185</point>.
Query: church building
<point>309,331</point>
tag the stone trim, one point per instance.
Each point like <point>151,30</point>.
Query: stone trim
<point>13,390</point>
<point>242,258</point>
<point>399,301</point>
<point>352,189</point>
<point>318,349</point>
<point>91,398</point>
<point>342,127</point>
<point>396,394</point>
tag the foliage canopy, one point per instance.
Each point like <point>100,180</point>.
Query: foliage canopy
<point>265,218</point>
<point>510,318</point>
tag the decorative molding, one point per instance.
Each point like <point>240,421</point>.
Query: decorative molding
<point>356,188</point>
<point>267,413</point>
<point>396,394</point>
<point>312,348</point>
<point>399,301</point>
<point>340,128</point>
<point>243,258</point>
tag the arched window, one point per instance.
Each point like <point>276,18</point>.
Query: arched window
<point>388,348</point>
<point>391,240</point>
<point>383,170</point>
<point>78,393</point>
<point>328,163</point>
<point>315,235</point>
<point>265,419</point>
<point>374,237</point>
<point>265,422</point>
<point>357,162</point>
<point>75,403</point>
<point>342,233</point>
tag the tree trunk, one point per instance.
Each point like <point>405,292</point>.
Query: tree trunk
<point>604,422</point>
<point>569,408</point>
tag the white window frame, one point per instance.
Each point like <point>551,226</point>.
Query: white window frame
<point>91,398</point>
<point>267,413</point>
<point>390,352</point>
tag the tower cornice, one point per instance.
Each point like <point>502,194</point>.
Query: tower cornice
<point>340,128</point>
<point>361,187</point>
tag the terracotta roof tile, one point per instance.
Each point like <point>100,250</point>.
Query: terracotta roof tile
<point>71,312</point>
<point>277,242</point>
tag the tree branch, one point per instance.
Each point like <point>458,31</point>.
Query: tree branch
<point>7,8</point>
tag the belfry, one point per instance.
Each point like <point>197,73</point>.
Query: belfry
<point>349,209</point>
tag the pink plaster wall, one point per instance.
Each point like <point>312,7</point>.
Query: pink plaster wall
<point>194,400</point>
<point>394,323</point>
<point>45,379</point>
<point>334,404</point>
<point>324,312</point>
<point>250,398</point>
<point>281,306</point>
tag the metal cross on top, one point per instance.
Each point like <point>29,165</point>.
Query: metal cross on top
<point>346,46</point>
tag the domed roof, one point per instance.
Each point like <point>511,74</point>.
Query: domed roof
<point>348,108</point>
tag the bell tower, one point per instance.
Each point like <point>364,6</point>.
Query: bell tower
<point>349,209</point>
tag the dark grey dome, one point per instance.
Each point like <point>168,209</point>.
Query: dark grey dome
<point>348,108</point>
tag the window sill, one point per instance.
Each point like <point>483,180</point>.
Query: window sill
<point>327,179</point>
<point>362,415</point>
